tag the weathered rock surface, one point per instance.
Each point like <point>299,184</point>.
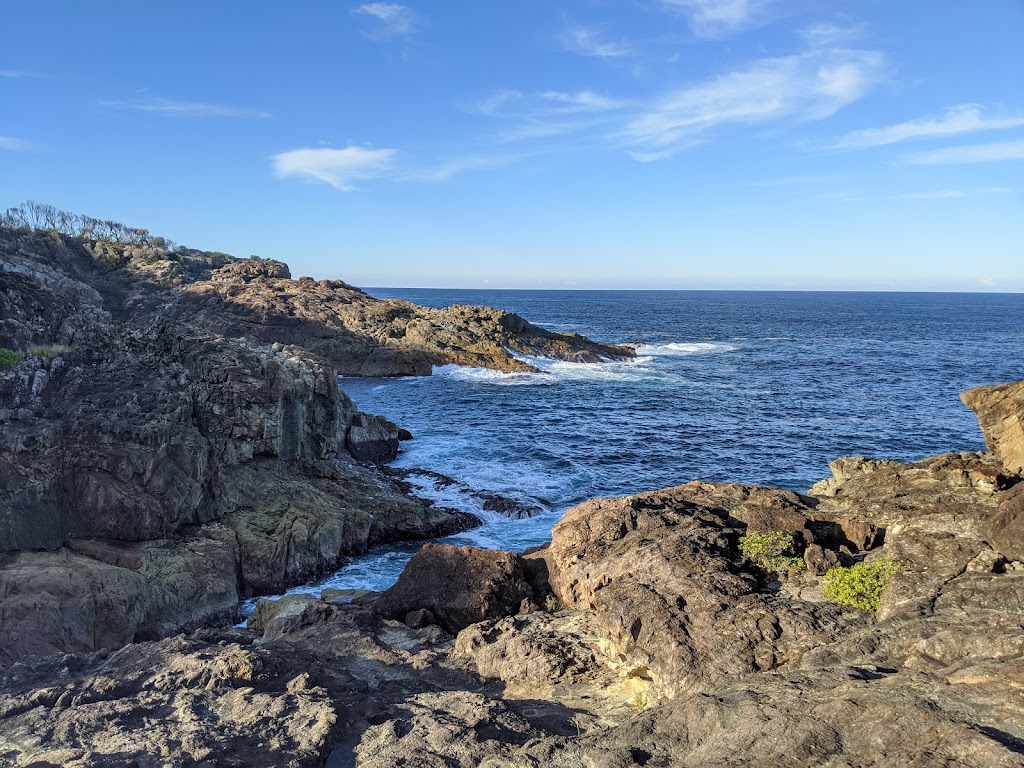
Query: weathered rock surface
<point>176,433</point>
<point>177,702</point>
<point>1006,529</point>
<point>1000,411</point>
<point>363,336</point>
<point>459,586</point>
<point>640,636</point>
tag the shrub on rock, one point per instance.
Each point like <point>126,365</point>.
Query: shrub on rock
<point>774,551</point>
<point>861,585</point>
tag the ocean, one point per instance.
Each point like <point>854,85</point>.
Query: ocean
<point>738,386</point>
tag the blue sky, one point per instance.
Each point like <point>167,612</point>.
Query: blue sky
<point>809,144</point>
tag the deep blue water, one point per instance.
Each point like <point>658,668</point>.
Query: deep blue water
<point>755,387</point>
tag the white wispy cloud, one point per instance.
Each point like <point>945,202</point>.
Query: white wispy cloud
<point>808,86</point>
<point>588,42</point>
<point>971,153</point>
<point>830,34</point>
<point>958,120</point>
<point>548,113</point>
<point>717,18</point>
<point>337,167</point>
<point>15,145</point>
<point>194,109</point>
<point>453,167</point>
<point>989,281</point>
<point>516,104</point>
<point>16,73</point>
<point>946,194</point>
<point>391,20</point>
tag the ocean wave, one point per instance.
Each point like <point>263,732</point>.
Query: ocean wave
<point>677,349</point>
<point>453,494</point>
<point>489,376</point>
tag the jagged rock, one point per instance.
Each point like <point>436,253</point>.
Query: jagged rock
<point>372,439</point>
<point>458,585</point>
<point>363,336</point>
<point>1006,530</point>
<point>147,431</point>
<point>190,702</point>
<point>60,601</point>
<point>952,491</point>
<point>535,652</point>
<point>1000,411</point>
<point>268,610</point>
<point>843,716</point>
<point>820,560</point>
<point>671,596</point>
<point>445,730</point>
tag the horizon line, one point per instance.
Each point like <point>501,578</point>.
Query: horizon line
<point>982,291</point>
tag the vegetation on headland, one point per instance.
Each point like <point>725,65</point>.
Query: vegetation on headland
<point>773,551</point>
<point>861,585</point>
<point>9,357</point>
<point>112,245</point>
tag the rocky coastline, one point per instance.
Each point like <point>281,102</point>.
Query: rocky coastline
<point>174,439</point>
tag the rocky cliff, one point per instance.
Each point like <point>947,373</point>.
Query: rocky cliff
<point>174,438</point>
<point>647,633</point>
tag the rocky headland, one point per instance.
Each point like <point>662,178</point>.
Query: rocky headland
<point>173,437</point>
<point>165,465</point>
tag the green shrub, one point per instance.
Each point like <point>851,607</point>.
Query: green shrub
<point>861,585</point>
<point>9,357</point>
<point>774,551</point>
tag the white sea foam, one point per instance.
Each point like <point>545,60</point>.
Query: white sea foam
<point>488,376</point>
<point>677,349</point>
<point>457,495</point>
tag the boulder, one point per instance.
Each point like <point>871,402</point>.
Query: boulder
<point>674,600</point>
<point>267,610</point>
<point>1000,411</point>
<point>458,585</point>
<point>61,601</point>
<point>372,439</point>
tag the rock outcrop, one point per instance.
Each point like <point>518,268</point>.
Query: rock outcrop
<point>363,336</point>
<point>175,438</point>
<point>457,586</point>
<point>168,470</point>
<point>1000,411</point>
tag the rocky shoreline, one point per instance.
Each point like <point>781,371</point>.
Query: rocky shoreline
<point>163,426</point>
<point>183,443</point>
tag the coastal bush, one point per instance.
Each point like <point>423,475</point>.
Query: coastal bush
<point>8,357</point>
<point>861,585</point>
<point>774,551</point>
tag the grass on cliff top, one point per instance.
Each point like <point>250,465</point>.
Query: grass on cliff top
<point>774,551</point>
<point>861,585</point>
<point>9,357</point>
<point>49,351</point>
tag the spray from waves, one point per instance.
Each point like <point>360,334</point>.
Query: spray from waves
<point>678,349</point>
<point>488,376</point>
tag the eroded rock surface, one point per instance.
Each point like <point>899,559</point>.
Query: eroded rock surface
<point>363,336</point>
<point>459,586</point>
<point>641,636</point>
<point>1000,411</point>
